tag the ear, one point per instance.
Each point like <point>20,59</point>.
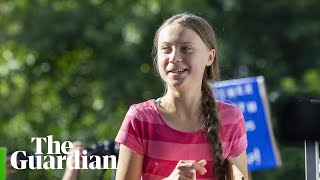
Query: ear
<point>211,58</point>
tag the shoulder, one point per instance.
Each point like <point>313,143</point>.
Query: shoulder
<point>146,106</point>
<point>229,114</point>
<point>139,115</point>
<point>144,111</point>
<point>233,131</point>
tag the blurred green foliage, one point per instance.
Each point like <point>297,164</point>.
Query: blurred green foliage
<point>71,68</point>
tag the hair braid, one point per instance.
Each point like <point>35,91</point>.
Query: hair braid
<point>211,122</point>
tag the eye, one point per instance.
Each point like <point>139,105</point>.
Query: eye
<point>166,49</point>
<point>186,49</point>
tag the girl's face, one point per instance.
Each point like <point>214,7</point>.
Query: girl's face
<point>182,57</point>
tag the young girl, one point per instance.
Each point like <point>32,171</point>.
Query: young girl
<point>186,130</point>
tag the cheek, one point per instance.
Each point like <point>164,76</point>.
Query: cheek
<point>161,62</point>
<point>197,68</point>
<point>160,66</point>
<point>161,57</point>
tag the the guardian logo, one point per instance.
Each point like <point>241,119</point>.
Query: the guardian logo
<point>57,155</point>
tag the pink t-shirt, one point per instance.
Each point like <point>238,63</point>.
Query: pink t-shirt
<point>145,132</point>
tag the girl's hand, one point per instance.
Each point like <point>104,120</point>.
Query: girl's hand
<point>185,169</point>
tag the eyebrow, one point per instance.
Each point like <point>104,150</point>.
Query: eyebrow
<point>187,42</point>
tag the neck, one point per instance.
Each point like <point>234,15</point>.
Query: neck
<point>182,102</point>
<point>181,109</point>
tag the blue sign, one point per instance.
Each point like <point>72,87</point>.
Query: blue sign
<point>249,94</point>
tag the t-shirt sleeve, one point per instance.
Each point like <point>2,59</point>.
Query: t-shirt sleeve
<point>239,141</point>
<point>130,132</point>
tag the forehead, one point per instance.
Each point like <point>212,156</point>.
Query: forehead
<point>178,34</point>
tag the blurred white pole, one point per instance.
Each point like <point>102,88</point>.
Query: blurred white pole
<point>311,160</point>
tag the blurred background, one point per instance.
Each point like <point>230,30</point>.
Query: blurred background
<point>72,68</point>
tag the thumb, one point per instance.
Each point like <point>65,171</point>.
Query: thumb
<point>202,162</point>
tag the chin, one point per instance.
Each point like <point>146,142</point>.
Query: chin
<point>177,85</point>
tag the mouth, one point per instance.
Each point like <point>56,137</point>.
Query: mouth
<point>178,71</point>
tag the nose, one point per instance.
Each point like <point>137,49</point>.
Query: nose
<point>175,57</point>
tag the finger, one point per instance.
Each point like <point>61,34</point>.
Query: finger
<point>198,167</point>
<point>186,165</point>
<point>202,162</point>
<point>183,177</point>
<point>188,174</point>
<point>78,145</point>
